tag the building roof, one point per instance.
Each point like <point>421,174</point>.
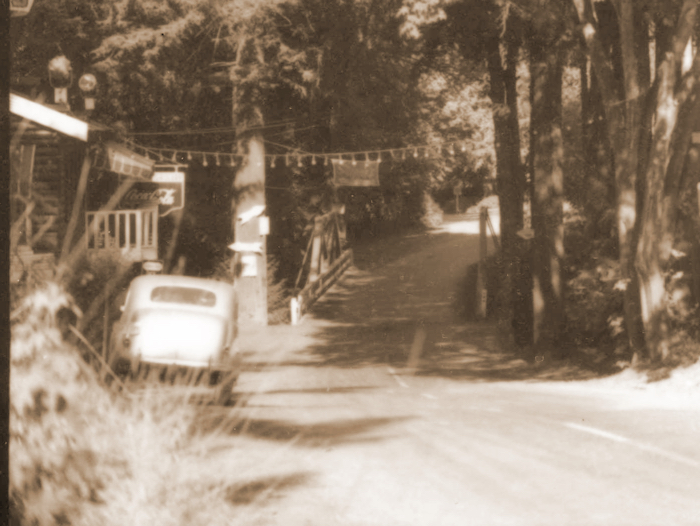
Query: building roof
<point>55,120</point>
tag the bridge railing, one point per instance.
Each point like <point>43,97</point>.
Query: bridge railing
<point>325,260</point>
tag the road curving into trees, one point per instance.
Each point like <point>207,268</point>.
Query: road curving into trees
<point>384,407</point>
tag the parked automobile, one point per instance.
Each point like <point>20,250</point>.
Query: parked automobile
<point>175,323</point>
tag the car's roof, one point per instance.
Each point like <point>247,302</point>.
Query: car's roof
<point>141,288</point>
<point>148,282</point>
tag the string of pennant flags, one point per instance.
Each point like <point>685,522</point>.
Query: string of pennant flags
<point>297,157</point>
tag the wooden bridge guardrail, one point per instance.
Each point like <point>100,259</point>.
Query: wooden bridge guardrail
<point>325,260</point>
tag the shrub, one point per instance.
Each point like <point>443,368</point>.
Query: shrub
<point>94,281</point>
<point>682,313</point>
<point>432,215</point>
<point>55,400</point>
<point>593,301</point>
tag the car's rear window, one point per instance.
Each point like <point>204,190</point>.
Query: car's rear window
<point>186,295</point>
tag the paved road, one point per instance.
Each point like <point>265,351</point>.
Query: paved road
<point>384,408</point>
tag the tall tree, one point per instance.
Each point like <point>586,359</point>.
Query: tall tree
<point>648,166</point>
<point>545,46</point>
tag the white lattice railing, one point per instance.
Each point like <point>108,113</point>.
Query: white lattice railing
<point>134,233</point>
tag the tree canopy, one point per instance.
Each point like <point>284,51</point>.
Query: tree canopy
<point>585,102</point>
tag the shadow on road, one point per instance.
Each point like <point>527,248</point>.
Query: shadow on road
<point>399,307</point>
<point>317,434</point>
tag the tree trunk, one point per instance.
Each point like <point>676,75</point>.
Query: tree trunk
<point>249,268</point>
<point>676,115</point>
<point>547,157</point>
<point>510,187</point>
<point>611,48</point>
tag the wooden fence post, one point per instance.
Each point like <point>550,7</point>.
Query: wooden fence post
<point>481,290</point>
<point>316,250</point>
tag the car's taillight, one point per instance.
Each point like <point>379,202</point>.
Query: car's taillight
<point>131,331</point>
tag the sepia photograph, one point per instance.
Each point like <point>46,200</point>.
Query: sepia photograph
<point>353,262</point>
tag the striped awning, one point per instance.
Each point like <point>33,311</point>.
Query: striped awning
<point>123,161</point>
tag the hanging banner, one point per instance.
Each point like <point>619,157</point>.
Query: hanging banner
<point>359,173</point>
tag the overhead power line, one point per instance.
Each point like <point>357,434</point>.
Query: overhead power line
<point>201,131</point>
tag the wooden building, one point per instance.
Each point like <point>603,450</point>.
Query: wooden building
<point>69,189</point>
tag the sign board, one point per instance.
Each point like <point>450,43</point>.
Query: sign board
<point>355,173</point>
<point>249,214</point>
<point>152,267</point>
<point>171,187</point>
<point>240,246</point>
<point>142,194</point>
<point>249,263</point>
<point>264,225</point>
<point>145,194</point>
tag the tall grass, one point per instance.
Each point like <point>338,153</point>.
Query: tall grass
<point>83,454</point>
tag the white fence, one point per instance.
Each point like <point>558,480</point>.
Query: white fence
<point>134,233</point>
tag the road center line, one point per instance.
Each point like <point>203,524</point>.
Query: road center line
<point>599,432</point>
<point>644,447</point>
<point>392,372</point>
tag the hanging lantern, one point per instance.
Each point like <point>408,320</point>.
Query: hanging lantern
<point>299,162</point>
<point>313,160</point>
<point>231,161</point>
<point>286,160</point>
<point>204,160</point>
<point>273,163</point>
<point>379,157</point>
<point>218,163</point>
<point>174,157</point>
<point>464,147</point>
<point>427,153</point>
<point>60,77</point>
<point>88,84</point>
<point>189,156</point>
<point>325,160</point>
<point>415,153</point>
<point>452,149</point>
<point>354,161</point>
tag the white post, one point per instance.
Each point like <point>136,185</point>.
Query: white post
<point>295,309</point>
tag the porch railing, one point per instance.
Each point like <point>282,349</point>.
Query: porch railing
<point>133,233</point>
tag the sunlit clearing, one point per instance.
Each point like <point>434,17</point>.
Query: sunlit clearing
<point>468,227</point>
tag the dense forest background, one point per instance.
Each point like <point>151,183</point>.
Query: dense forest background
<point>581,111</point>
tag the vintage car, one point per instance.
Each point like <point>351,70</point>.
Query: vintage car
<point>178,323</point>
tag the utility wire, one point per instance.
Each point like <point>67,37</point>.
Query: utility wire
<point>225,129</point>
